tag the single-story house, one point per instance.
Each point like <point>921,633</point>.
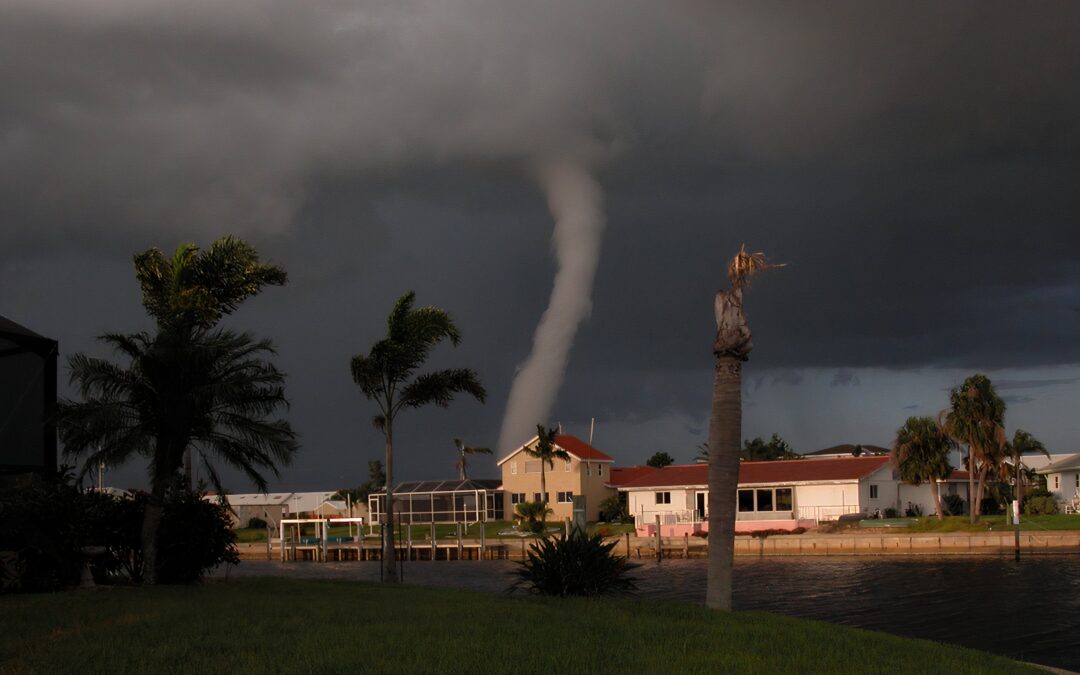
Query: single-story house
<point>1063,480</point>
<point>777,495</point>
<point>272,506</point>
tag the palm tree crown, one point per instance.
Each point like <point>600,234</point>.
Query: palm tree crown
<point>547,452</point>
<point>921,454</point>
<point>976,418</point>
<point>463,452</point>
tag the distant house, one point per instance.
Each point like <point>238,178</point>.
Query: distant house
<point>272,506</point>
<point>775,495</point>
<point>587,473</point>
<point>1063,480</point>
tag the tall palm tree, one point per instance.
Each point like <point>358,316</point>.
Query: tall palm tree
<point>194,288</point>
<point>976,418</point>
<point>1022,443</point>
<point>547,452</point>
<point>212,392</point>
<point>921,453</point>
<point>386,376</point>
<point>463,451</point>
<point>731,347</point>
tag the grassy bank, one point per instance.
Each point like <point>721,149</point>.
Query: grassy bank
<point>995,523</point>
<point>275,625</point>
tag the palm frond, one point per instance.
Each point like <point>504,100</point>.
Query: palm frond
<point>745,265</point>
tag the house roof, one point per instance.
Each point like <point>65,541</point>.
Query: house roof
<point>577,448</point>
<point>455,485</point>
<point>619,476</point>
<point>1068,464</point>
<point>756,473</point>
<point>848,449</point>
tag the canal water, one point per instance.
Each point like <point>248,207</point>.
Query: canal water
<point>1028,610</point>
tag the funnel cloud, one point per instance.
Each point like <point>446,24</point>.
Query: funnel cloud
<point>576,203</point>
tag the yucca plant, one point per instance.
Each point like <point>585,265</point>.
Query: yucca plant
<point>574,565</point>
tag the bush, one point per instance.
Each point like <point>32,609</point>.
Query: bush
<point>913,511</point>
<point>256,523</point>
<point>1034,493</point>
<point>42,531</point>
<point>890,513</point>
<point>613,509</point>
<point>1040,506</point>
<point>953,505</point>
<point>989,506</point>
<point>195,536</point>
<point>574,565</point>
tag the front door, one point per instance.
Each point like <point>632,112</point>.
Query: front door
<point>701,506</point>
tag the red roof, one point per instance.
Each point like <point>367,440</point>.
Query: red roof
<point>621,475</point>
<point>580,449</point>
<point>751,473</point>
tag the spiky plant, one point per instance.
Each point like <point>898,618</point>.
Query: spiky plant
<point>574,565</point>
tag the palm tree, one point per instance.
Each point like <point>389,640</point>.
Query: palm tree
<point>976,419</point>
<point>921,453</point>
<point>529,512</point>
<point>702,456</point>
<point>194,289</point>
<point>1022,443</point>
<point>731,347</point>
<point>464,450</point>
<point>385,376</point>
<point>547,452</point>
<point>211,392</point>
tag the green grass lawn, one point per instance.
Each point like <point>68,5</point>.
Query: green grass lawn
<point>995,523</point>
<point>264,625</point>
<point>442,531</point>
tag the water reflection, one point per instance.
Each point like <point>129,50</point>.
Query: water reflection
<point>1028,610</point>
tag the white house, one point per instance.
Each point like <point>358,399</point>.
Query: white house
<point>777,495</point>
<point>271,506</point>
<point>1063,480</point>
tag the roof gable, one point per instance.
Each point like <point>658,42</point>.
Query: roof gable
<point>1067,464</point>
<point>578,449</point>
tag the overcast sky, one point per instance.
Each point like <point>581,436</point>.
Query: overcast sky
<point>914,164</point>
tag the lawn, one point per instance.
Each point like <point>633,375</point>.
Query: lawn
<point>442,531</point>
<point>996,523</point>
<point>262,625</point>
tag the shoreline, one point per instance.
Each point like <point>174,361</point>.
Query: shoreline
<point>804,545</point>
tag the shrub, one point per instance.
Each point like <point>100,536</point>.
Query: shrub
<point>1040,506</point>
<point>989,506</point>
<point>1032,494</point>
<point>42,526</point>
<point>953,505</point>
<point>890,513</point>
<point>913,511</point>
<point>613,509</point>
<point>195,536</point>
<point>256,523</point>
<point>574,565</point>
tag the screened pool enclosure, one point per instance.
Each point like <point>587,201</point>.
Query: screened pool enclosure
<point>446,501</point>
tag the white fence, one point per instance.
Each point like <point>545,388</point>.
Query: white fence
<point>823,513</point>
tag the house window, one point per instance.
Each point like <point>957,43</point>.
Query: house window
<point>1057,482</point>
<point>588,469</point>
<point>783,499</point>
<point>532,467</point>
<point>873,492</point>
<point>536,497</point>
<point>1078,481</point>
<point>746,501</point>
<point>663,497</point>
<point>513,467</point>
<point>517,497</point>
<point>764,500</point>
<point>565,497</point>
<point>566,466</point>
<point>599,469</point>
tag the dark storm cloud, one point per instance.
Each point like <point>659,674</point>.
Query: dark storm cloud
<point>914,164</point>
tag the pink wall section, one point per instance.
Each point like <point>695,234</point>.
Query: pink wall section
<point>740,527</point>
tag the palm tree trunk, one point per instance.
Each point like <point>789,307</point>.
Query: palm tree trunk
<point>389,556</point>
<point>461,466</point>
<point>725,430</point>
<point>543,493</point>
<point>935,491</point>
<point>971,486</point>
<point>979,487</point>
<point>149,536</point>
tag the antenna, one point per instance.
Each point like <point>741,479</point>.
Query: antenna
<point>592,428</point>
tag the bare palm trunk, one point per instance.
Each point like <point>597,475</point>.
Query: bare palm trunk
<point>979,487</point>
<point>389,556</point>
<point>461,467</point>
<point>725,430</point>
<point>935,491</point>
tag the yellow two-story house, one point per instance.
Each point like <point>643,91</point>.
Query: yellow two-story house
<point>588,473</point>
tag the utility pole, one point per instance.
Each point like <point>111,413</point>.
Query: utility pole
<point>1016,505</point>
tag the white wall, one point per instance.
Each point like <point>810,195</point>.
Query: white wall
<point>644,502</point>
<point>1065,488</point>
